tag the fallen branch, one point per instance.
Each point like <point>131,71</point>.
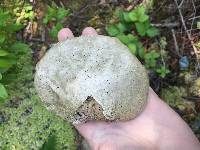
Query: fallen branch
<point>166,25</point>
<point>188,34</point>
<point>175,42</point>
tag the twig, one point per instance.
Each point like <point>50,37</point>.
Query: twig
<point>195,17</point>
<point>188,34</point>
<point>166,25</point>
<point>175,42</point>
<point>181,3</point>
<point>194,14</point>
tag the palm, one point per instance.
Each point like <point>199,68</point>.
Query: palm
<point>143,132</point>
<point>157,127</point>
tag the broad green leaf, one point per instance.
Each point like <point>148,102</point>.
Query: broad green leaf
<point>54,31</point>
<point>133,38</point>
<point>46,19</point>
<point>19,47</point>
<point>3,53</point>
<point>4,63</point>
<point>52,11</point>
<point>140,50</point>
<point>143,18</point>
<point>140,10</point>
<point>120,15</point>
<point>14,27</point>
<point>151,58</point>
<point>163,71</point>
<point>4,17</point>
<point>132,48</point>
<point>152,32</point>
<point>154,54</point>
<point>140,27</point>
<point>112,30</point>
<point>122,27</point>
<point>62,13</point>
<point>2,37</point>
<point>0,76</point>
<point>3,92</point>
<point>28,7</point>
<point>124,39</point>
<point>126,17</point>
<point>133,16</point>
<point>59,26</point>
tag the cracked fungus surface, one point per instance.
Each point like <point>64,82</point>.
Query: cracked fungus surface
<point>92,78</point>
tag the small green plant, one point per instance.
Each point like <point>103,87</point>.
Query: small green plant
<point>24,13</point>
<point>131,28</point>
<point>3,92</point>
<point>8,44</point>
<point>151,59</point>
<point>55,15</point>
<point>162,71</point>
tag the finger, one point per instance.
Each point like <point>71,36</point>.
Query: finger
<point>89,31</point>
<point>64,33</point>
<point>89,128</point>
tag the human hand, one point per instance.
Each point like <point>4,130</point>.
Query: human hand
<point>157,127</point>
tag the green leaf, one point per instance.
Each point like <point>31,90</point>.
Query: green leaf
<point>20,47</point>
<point>62,13</point>
<point>140,27</point>
<point>126,17</point>
<point>0,76</point>
<point>152,32</point>
<point>133,16</point>
<point>4,63</point>
<point>143,18</point>
<point>2,37</point>
<point>140,50</point>
<point>120,15</point>
<point>14,27</point>
<point>54,31</point>
<point>124,39</point>
<point>132,48</point>
<point>28,7</point>
<point>122,27</point>
<point>46,19</point>
<point>3,53</point>
<point>163,71</point>
<point>138,15</point>
<point>3,92</point>
<point>52,11</point>
<point>4,17</point>
<point>133,38</point>
<point>112,30</point>
<point>151,58</point>
<point>140,10</point>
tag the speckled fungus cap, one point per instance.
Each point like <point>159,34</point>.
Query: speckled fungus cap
<point>92,78</point>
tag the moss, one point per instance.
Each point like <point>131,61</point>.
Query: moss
<point>29,124</point>
<point>172,95</point>
<point>195,89</point>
